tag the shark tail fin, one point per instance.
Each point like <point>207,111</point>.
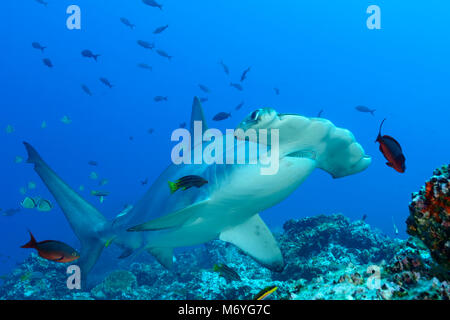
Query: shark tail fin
<point>173,186</point>
<point>88,224</point>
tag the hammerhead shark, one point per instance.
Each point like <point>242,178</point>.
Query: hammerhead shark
<point>226,208</point>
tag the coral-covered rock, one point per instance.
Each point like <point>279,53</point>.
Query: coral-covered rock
<point>429,218</point>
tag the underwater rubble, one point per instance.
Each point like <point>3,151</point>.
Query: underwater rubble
<point>327,257</point>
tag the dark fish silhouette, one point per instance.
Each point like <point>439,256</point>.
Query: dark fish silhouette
<point>10,212</point>
<point>52,250</point>
<point>203,99</point>
<point>164,54</point>
<point>93,163</point>
<point>183,125</point>
<point>86,89</point>
<point>127,22</point>
<point>239,106</point>
<point>151,130</point>
<point>47,62</point>
<point>186,183</point>
<point>277,91</point>
<point>38,46</point>
<point>236,86</point>
<point>144,66</point>
<point>152,3</point>
<point>225,67</point>
<point>221,116</point>
<point>244,74</point>
<point>320,113</point>
<point>145,44</point>
<point>204,88</point>
<point>144,182</point>
<point>42,2</point>
<point>160,29</point>
<point>160,98</point>
<point>88,54</point>
<point>392,151</point>
<point>365,109</point>
<point>106,82</point>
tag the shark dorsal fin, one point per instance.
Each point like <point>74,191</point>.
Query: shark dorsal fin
<point>197,115</point>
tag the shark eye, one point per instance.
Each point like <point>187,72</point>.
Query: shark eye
<point>255,115</point>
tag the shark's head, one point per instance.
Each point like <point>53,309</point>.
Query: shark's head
<point>334,149</point>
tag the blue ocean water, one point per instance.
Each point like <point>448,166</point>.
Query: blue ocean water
<point>320,55</point>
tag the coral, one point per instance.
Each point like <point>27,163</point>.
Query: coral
<point>429,218</point>
<point>327,257</point>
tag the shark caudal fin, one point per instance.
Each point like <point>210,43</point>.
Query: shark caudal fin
<point>87,223</point>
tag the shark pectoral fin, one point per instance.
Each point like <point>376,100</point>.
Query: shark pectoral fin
<point>254,238</point>
<point>171,220</point>
<point>163,255</point>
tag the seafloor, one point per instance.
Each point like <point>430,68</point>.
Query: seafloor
<point>327,257</point>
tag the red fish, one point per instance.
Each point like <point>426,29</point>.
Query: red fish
<point>52,250</point>
<point>392,151</point>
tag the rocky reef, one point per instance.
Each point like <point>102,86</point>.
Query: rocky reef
<point>429,218</point>
<point>327,257</point>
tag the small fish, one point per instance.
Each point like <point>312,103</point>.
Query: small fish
<point>364,217</point>
<point>89,54</point>
<point>38,46</point>
<point>264,293</point>
<point>365,109</point>
<point>203,100</point>
<point>9,129</point>
<point>93,163</point>
<point>160,98</point>
<point>226,272</point>
<point>319,115</point>
<point>18,159</point>
<point>152,3</point>
<point>66,120</point>
<point>221,116</point>
<point>23,190</point>
<point>144,182</point>
<point>42,2</point>
<point>127,22</point>
<point>236,86</point>
<point>394,226</point>
<point>43,125</point>
<point>144,66</point>
<point>47,62</point>
<point>164,54</point>
<point>204,88</point>
<point>86,89</point>
<point>160,29</point>
<point>93,175</point>
<point>100,194</point>
<point>31,185</point>
<point>106,82</point>
<point>56,251</point>
<point>150,131</point>
<point>10,212</point>
<point>145,44</point>
<point>28,203</point>
<point>239,106</point>
<point>244,74</point>
<point>44,205</point>
<point>183,125</point>
<point>225,67</point>
<point>277,91</point>
<point>186,183</point>
<point>131,138</point>
<point>392,151</point>
<point>103,182</point>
